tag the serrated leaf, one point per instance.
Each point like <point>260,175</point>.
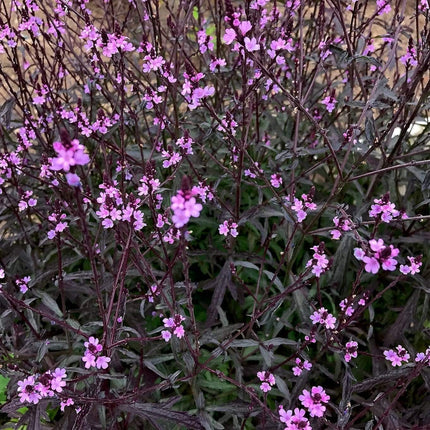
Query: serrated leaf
<point>283,388</point>
<point>243,343</point>
<point>157,412</point>
<point>276,341</point>
<point>48,301</point>
<point>364,59</point>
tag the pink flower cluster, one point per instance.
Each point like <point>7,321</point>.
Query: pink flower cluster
<point>110,43</point>
<point>342,224</point>
<point>78,116</point>
<point>228,227</point>
<point>60,224</point>
<point>330,103</point>
<point>113,207</point>
<point>423,357</point>
<point>276,180</point>
<point>22,284</point>
<point>323,317</point>
<point>349,306</point>
<point>267,381</point>
<point>27,201</point>
<point>377,255</point>
<point>69,155</point>
<point>171,158</point>
<point>398,356</point>
<point>294,420</point>
<point>383,6</point>
<point>174,325</point>
<point>205,41</point>
<point>351,350</point>
<point>35,387</point>
<point>319,261</point>
<point>300,206</point>
<point>184,206</point>
<point>410,58</point>
<point>92,355</point>
<point>424,5</point>
<point>300,366</point>
<point>228,125</point>
<point>313,401</point>
<point>186,143</point>
<point>153,292</point>
<point>414,266</point>
<point>194,94</point>
<point>148,185</point>
<point>385,210</point>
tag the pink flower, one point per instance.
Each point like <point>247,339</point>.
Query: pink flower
<point>229,36</point>
<point>383,6</point>
<point>321,316</point>
<point>294,421</point>
<point>313,401</point>
<point>376,245</point>
<point>397,357</point>
<point>351,350</point>
<point>67,402</point>
<point>102,362</point>
<point>179,332</point>
<point>228,227</point>
<point>298,369</point>
<point>276,180</point>
<point>251,45</point>
<point>73,179</point>
<point>184,206</point>
<point>330,103</point>
<point>89,360</point>
<point>267,379</point>
<point>244,27</point>
<point>27,391</point>
<point>372,265</point>
<point>166,335</point>
<point>175,327</point>
<point>69,156</point>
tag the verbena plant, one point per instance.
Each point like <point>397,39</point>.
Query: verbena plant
<point>214,214</point>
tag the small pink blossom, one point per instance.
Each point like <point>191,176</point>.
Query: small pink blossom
<point>228,227</point>
<point>184,206</point>
<point>67,402</point>
<point>300,366</point>
<point>102,362</point>
<point>251,45</point>
<point>229,36</point>
<point>68,156</point>
<point>350,350</point>
<point>398,356</point>
<point>294,420</point>
<point>313,400</point>
<point>27,391</point>
<point>319,261</point>
<point>244,27</point>
<point>321,316</point>
<point>175,327</point>
<point>330,103</point>
<point>383,6</point>
<point>276,180</point>
<point>267,379</point>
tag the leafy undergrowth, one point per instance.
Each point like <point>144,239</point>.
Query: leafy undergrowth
<point>214,214</point>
